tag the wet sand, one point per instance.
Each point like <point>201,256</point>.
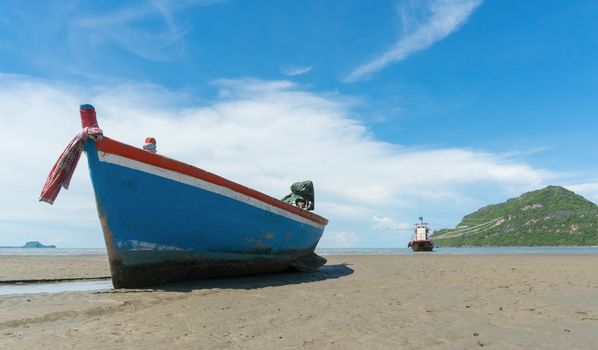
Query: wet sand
<point>422,301</point>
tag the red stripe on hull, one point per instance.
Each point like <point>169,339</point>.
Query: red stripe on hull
<point>108,145</point>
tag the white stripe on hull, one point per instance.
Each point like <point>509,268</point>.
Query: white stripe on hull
<point>204,185</point>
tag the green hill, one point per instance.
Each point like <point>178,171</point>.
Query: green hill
<point>552,216</point>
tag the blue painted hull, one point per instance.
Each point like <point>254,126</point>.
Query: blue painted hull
<point>159,229</point>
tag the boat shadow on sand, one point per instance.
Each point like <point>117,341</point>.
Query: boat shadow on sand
<point>326,272</point>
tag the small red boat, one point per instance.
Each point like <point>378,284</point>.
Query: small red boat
<point>420,242</point>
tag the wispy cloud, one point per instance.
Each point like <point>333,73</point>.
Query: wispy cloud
<point>249,135</point>
<point>386,223</point>
<point>292,71</point>
<point>125,28</point>
<point>441,18</point>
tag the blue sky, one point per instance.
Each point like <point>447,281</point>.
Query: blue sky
<point>400,107</point>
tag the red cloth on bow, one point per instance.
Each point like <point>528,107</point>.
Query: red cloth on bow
<point>63,169</point>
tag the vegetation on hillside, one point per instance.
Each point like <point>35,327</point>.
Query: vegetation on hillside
<point>552,216</point>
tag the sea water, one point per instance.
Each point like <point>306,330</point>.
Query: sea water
<point>459,251</point>
<point>339,251</point>
<point>53,251</point>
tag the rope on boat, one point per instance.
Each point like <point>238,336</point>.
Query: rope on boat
<point>62,171</point>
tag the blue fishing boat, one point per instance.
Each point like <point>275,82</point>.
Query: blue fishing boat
<point>166,221</point>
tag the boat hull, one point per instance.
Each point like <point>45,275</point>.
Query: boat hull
<point>421,246</point>
<point>165,221</point>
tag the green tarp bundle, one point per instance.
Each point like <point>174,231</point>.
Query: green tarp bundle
<point>302,191</point>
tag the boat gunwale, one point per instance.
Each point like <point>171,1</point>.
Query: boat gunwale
<point>108,145</point>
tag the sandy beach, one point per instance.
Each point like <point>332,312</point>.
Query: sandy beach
<point>423,301</point>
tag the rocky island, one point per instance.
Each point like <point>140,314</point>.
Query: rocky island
<point>33,244</point>
<point>552,216</point>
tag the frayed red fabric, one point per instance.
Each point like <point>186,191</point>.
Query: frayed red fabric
<point>62,171</point>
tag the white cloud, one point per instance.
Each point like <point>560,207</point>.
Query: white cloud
<point>444,17</point>
<point>339,240</point>
<point>386,223</point>
<point>292,71</point>
<point>264,134</point>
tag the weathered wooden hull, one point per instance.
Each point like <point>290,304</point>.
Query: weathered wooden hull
<point>421,246</point>
<point>166,221</point>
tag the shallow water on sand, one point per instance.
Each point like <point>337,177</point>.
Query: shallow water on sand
<point>106,284</point>
<point>56,287</point>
